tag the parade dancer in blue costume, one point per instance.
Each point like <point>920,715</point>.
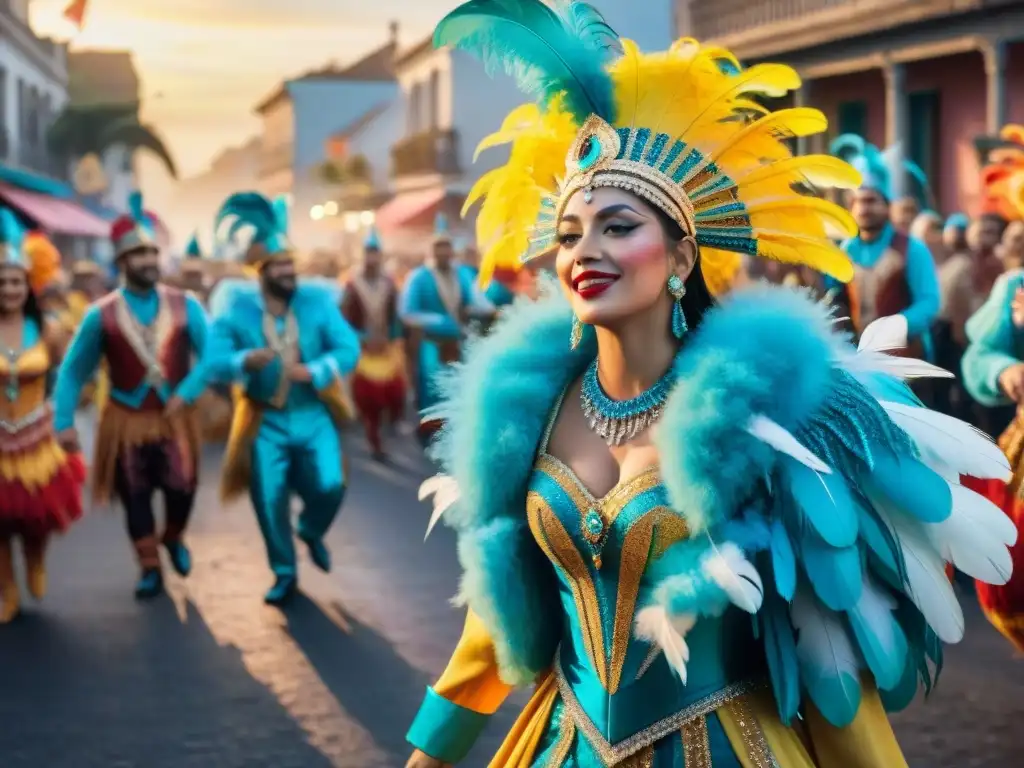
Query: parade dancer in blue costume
<point>287,347</point>
<point>708,535</point>
<point>437,301</point>
<point>895,272</point>
<point>153,340</point>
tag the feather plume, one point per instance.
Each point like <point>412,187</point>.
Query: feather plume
<point>819,171</point>
<point>135,206</point>
<point>445,491</point>
<point>539,47</point>
<point>762,139</point>
<point>884,335</point>
<point>828,662</point>
<point>736,576</point>
<point>975,537</point>
<point>657,627</point>
<point>878,634</point>
<point>11,231</point>
<point>781,654</point>
<point>767,431</point>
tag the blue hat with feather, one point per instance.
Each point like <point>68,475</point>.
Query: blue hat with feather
<point>372,241</point>
<point>957,221</point>
<point>192,250</point>
<point>267,221</point>
<point>889,173</point>
<point>12,240</point>
<point>442,233</point>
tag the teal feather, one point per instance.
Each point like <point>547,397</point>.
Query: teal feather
<point>542,49</point>
<point>879,636</point>
<point>591,28</point>
<point>900,696</point>
<point>783,561</point>
<point>280,206</point>
<point>11,231</point>
<point>192,250</point>
<point>135,206</point>
<point>251,209</point>
<point>824,501</point>
<point>911,487</point>
<point>372,240</point>
<point>834,572</point>
<point>880,541</point>
<point>780,653</point>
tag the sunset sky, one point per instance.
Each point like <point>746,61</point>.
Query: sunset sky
<point>205,63</point>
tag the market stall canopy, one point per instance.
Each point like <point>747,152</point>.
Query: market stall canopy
<point>55,215</point>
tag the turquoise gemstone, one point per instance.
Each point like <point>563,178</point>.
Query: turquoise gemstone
<point>590,151</point>
<point>594,522</point>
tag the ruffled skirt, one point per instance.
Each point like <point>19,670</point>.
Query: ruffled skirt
<point>40,484</point>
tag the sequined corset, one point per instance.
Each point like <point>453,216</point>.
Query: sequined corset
<point>23,393</point>
<point>620,689</point>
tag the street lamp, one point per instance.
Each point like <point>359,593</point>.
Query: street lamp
<point>331,208</point>
<point>366,218</point>
<point>316,212</point>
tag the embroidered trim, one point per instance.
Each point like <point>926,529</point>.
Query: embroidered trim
<point>286,345</point>
<point>753,736</point>
<point>449,290</point>
<point>39,412</point>
<point>612,754</point>
<point>696,744</point>
<point>146,340</point>
<point>374,299</point>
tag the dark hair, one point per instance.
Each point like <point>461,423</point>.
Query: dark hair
<point>995,218</point>
<point>698,299</point>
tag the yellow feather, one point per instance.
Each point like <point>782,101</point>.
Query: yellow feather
<point>520,120</point>
<point>822,255</point>
<point>719,269</point>
<point>479,189</point>
<point>763,138</point>
<point>768,214</point>
<point>821,171</point>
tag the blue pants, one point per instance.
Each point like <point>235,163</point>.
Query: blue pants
<point>311,467</point>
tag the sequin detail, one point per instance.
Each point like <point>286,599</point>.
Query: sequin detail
<point>696,744</point>
<point>753,736</point>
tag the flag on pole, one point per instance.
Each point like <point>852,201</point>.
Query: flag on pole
<point>75,12</point>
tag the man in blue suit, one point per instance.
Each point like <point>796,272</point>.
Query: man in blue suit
<point>285,347</point>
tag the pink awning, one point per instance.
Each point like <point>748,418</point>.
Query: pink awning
<point>406,206</point>
<point>55,216</point>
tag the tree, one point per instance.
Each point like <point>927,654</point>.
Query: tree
<point>82,131</point>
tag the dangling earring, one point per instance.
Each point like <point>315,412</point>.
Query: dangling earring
<point>577,333</point>
<point>678,290</point>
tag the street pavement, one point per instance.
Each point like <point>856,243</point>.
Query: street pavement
<point>209,677</point>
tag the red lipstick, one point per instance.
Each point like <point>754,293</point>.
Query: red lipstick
<point>591,283</point>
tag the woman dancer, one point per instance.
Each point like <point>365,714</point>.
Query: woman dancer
<point>40,485</point>
<point>709,535</point>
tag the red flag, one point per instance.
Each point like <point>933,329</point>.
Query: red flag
<point>75,12</point>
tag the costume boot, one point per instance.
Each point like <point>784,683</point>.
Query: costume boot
<point>10,599</point>
<point>35,565</point>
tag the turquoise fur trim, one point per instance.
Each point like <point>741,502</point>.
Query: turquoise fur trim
<point>765,351</point>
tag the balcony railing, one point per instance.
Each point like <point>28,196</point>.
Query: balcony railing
<point>274,159</point>
<point>434,151</point>
<point>714,19</point>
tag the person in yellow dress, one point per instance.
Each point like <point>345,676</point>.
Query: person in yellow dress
<point>709,533</point>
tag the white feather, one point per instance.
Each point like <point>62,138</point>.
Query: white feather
<point>445,491</point>
<point>975,537</point>
<point>655,626</point>
<point>737,577</point>
<point>824,645</point>
<point>779,438</point>
<point>947,441</point>
<point>900,367</point>
<point>885,334</point>
<point>927,584</point>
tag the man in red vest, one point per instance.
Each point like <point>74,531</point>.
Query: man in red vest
<point>152,338</point>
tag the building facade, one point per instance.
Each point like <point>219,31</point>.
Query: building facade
<point>930,74</point>
<point>300,117</point>
<point>33,91</point>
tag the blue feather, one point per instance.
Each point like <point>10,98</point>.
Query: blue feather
<point>881,541</point>
<point>879,635</point>
<point>135,206</point>
<point>911,487</point>
<point>899,697</point>
<point>885,387</point>
<point>783,561</point>
<point>591,28</point>
<point>780,653</point>
<point>192,250</point>
<point>834,572</point>
<point>824,500</point>
<point>11,231</point>
<point>749,532</point>
<point>251,209</point>
<point>542,49</point>
<point>280,207</point>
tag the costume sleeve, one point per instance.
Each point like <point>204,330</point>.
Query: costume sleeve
<point>198,331</point>
<point>80,363</point>
<point>990,351</point>
<point>477,301</point>
<point>225,361</point>
<point>342,344</point>
<point>414,310</point>
<point>923,281</point>
<point>457,707</point>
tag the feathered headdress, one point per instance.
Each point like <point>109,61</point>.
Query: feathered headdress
<point>1002,178</point>
<point>266,220</point>
<point>31,251</point>
<point>680,129</point>
<point>881,171</point>
<point>957,221</point>
<point>136,229</point>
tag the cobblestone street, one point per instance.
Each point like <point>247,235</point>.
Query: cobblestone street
<point>211,678</point>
